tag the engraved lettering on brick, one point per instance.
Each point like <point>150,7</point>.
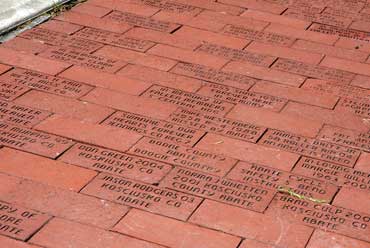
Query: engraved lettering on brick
<point>241,96</point>
<point>18,222</point>
<point>218,189</point>
<point>114,39</point>
<point>357,107</point>
<point>188,100</point>
<point>21,115</point>
<point>143,196</point>
<point>314,71</point>
<point>310,147</point>
<point>27,79</point>
<point>348,33</point>
<point>236,54</point>
<point>83,59</point>
<point>219,125</point>
<point>174,154</point>
<point>271,178</point>
<point>10,91</point>
<point>29,140</point>
<point>323,216</point>
<point>261,36</point>
<point>333,173</point>
<point>116,163</point>
<point>212,75</point>
<point>141,21</point>
<point>168,5</point>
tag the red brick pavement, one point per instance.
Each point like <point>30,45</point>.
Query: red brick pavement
<point>173,123</point>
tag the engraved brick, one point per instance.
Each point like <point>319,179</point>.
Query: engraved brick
<point>141,21</point>
<point>114,39</point>
<point>154,128</point>
<point>188,100</point>
<point>218,189</point>
<point>83,59</point>
<point>240,96</point>
<point>235,54</point>
<point>19,222</point>
<point>216,76</point>
<point>194,158</point>
<point>331,30</point>
<point>22,80</point>
<point>315,71</point>
<point>310,147</point>
<point>322,239</point>
<point>270,7</point>
<point>346,137</point>
<point>271,178</point>
<point>115,163</point>
<point>215,6</point>
<point>10,91</point>
<point>143,196</point>
<point>219,125</point>
<point>166,5</point>
<point>25,139</point>
<point>261,36</point>
<point>21,115</point>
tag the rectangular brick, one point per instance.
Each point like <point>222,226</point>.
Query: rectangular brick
<point>301,34</point>
<point>133,57</point>
<point>361,25</point>
<point>10,91</point>
<point>218,189</point>
<point>236,54</point>
<point>199,35</point>
<point>9,242</point>
<point>337,89</point>
<point>154,128</point>
<point>177,14</point>
<point>59,39</point>
<point>114,39</point>
<point>339,118</point>
<point>106,80</point>
<point>333,31</point>
<point>271,178</point>
<point>295,94</point>
<point>134,104</point>
<point>60,26</point>
<point>140,224</point>
<point>256,35</point>
<point>62,203</point>
<point>19,222</point>
<point>265,73</point>
<point>188,56</point>
<point>109,137</point>
<point>164,78</point>
<point>60,233</point>
<point>33,141</point>
<point>257,5</point>
<point>346,65</point>
<point>91,9</point>
<point>244,97</point>
<point>215,6</point>
<point>275,18</point>
<point>315,71</point>
<point>163,38</point>
<point>333,173</point>
<point>346,137</point>
<point>22,80</point>
<point>313,47</point>
<point>325,217</point>
<point>116,163</point>
<point>354,199</point>
<point>20,114</point>
<point>127,5</point>
<point>144,196</point>
<point>92,61</point>
<point>212,75</point>
<point>363,161</point>
<point>168,6</point>
<point>271,119</point>
<point>93,22</point>
<point>174,154</point>
<point>361,81</point>
<point>64,106</point>
<point>141,21</point>
<point>44,170</point>
<point>32,62</point>
<point>25,45</point>
<point>218,125</point>
<point>310,147</point>
<point>348,43</point>
<point>284,52</point>
<point>322,239</point>
<point>247,151</point>
<point>270,229</point>
<point>188,100</point>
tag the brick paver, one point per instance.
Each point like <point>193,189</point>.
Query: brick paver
<point>188,124</point>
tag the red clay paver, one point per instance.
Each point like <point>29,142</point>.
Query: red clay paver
<point>197,123</point>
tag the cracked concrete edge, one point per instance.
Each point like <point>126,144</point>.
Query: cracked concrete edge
<point>14,13</point>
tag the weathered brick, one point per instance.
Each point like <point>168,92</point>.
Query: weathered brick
<point>322,239</point>
<point>346,65</point>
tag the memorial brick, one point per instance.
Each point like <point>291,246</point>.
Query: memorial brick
<point>10,91</point>
<point>170,6</point>
<point>355,106</point>
<point>348,33</point>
